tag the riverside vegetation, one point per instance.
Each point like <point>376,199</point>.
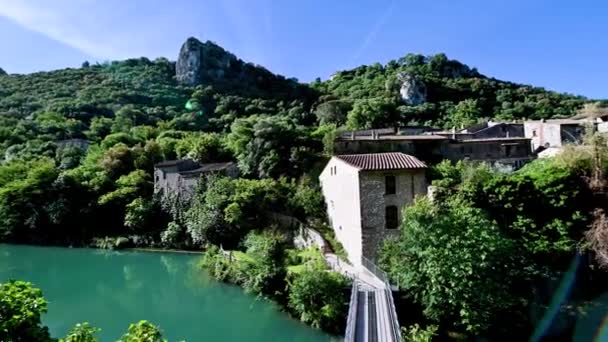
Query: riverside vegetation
<point>280,131</point>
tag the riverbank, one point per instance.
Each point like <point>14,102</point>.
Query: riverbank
<point>161,250</point>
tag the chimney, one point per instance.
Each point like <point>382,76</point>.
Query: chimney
<point>352,135</point>
<point>453,132</point>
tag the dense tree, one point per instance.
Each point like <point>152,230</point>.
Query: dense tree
<point>268,146</point>
<point>456,263</point>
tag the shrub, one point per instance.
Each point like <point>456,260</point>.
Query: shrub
<point>320,298</point>
<point>81,332</point>
<point>21,306</point>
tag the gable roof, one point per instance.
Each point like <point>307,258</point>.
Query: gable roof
<point>382,161</point>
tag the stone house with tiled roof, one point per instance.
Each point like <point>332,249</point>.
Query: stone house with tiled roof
<point>365,195</point>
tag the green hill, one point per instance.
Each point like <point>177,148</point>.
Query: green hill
<point>211,106</point>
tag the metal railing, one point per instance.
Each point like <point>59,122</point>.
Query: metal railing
<point>375,270</point>
<point>378,272</point>
<point>351,321</point>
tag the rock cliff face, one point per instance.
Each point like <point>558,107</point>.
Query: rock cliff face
<point>412,90</point>
<point>202,62</point>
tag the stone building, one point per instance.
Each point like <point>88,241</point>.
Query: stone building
<point>365,194</point>
<point>182,176</point>
<point>555,133</point>
<point>486,130</point>
<point>501,144</point>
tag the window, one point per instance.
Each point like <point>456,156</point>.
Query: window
<point>508,150</point>
<point>412,185</point>
<point>392,217</point>
<point>534,133</point>
<point>390,186</point>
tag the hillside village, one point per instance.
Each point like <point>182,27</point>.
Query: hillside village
<point>394,153</point>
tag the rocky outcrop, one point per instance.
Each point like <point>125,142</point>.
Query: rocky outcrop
<point>199,63</point>
<point>412,90</point>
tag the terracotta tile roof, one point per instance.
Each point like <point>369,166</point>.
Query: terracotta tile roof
<point>382,161</point>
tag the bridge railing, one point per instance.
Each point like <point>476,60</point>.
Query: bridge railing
<point>378,272</point>
<point>351,321</point>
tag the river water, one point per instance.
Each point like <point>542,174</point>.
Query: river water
<point>111,289</point>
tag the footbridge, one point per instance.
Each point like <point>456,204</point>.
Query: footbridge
<point>372,316</point>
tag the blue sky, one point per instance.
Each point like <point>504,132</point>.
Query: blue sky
<point>558,44</point>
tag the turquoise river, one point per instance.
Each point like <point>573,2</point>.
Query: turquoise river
<point>111,289</point>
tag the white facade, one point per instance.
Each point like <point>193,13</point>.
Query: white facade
<point>362,207</point>
<point>340,186</point>
<point>543,134</point>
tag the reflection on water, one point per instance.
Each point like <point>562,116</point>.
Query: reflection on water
<point>111,289</point>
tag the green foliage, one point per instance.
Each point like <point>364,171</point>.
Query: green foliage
<point>372,113</point>
<point>82,332</point>
<point>541,205</point>
<point>320,298</point>
<point>415,333</point>
<point>269,146</point>
<point>466,113</point>
<point>333,112</point>
<point>260,269</point>
<point>456,263</point>
<point>21,306</point>
<point>456,95</point>
<point>143,331</point>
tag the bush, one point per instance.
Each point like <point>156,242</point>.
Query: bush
<point>320,298</point>
<point>21,306</point>
<point>414,333</point>
<point>143,331</point>
<point>82,332</point>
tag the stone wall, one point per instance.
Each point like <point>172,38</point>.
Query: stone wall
<point>489,150</point>
<point>409,183</point>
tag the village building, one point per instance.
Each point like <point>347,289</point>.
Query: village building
<point>499,144</point>
<point>182,176</point>
<point>365,194</point>
<point>556,132</point>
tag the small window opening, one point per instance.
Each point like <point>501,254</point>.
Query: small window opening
<point>392,217</point>
<point>390,185</point>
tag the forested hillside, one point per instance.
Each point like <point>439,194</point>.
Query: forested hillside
<point>432,90</point>
<point>135,113</point>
